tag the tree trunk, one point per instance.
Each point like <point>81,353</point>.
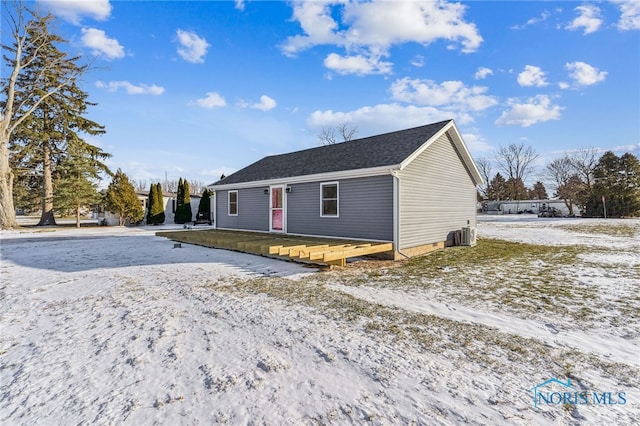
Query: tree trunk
<point>47,188</point>
<point>78,216</point>
<point>7,210</point>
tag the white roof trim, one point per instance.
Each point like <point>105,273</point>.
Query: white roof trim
<point>344,174</point>
<point>459,143</point>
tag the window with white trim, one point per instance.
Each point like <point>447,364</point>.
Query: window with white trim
<point>233,203</point>
<point>329,199</point>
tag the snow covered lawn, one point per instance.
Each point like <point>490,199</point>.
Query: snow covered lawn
<point>115,326</point>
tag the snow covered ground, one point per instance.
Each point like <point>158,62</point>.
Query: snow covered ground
<point>116,326</point>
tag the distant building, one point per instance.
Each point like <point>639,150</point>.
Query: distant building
<point>529,206</point>
<point>168,200</point>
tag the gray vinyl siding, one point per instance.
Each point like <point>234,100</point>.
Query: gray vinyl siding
<point>437,196</point>
<point>365,209</point>
<point>253,210</point>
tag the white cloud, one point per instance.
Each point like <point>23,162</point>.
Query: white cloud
<point>564,85</point>
<point>211,100</point>
<point>74,10</point>
<point>451,95</point>
<point>240,4</point>
<point>358,64</point>
<point>193,48</point>
<point>629,14</point>
<point>380,118</point>
<point>535,110</point>
<point>532,76</point>
<point>483,73</point>
<point>584,74</point>
<point>418,61</point>
<point>368,30</point>
<point>131,89</point>
<point>266,103</point>
<point>476,143</point>
<point>626,148</point>
<point>589,18</point>
<point>100,44</point>
<point>543,17</point>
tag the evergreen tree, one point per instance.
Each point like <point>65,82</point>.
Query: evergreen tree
<point>183,209</point>
<point>538,192</point>
<point>617,179</point>
<point>205,204</point>
<point>150,202</point>
<point>498,188</point>
<point>76,184</point>
<point>43,138</point>
<point>155,215</point>
<point>159,209</point>
<point>177,217</point>
<point>122,200</point>
<point>23,92</point>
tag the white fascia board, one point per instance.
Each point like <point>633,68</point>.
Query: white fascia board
<point>318,177</point>
<point>459,143</point>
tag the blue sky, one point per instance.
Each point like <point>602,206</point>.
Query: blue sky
<point>199,88</point>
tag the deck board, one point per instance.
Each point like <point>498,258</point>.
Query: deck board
<point>327,251</point>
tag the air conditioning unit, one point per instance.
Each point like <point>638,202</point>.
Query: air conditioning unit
<point>468,236</point>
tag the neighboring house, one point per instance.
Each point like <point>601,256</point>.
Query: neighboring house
<point>530,206</point>
<point>168,200</point>
<point>414,188</point>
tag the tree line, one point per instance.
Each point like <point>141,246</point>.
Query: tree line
<point>585,178</point>
<point>46,163</point>
<point>122,199</point>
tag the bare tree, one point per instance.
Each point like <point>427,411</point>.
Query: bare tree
<point>485,168</point>
<point>560,170</point>
<point>584,162</point>
<point>140,185</point>
<point>563,177</point>
<point>516,162</point>
<point>344,130</point>
<point>16,17</point>
<point>197,187</point>
<point>170,186</point>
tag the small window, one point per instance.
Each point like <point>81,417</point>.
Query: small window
<point>233,203</point>
<point>329,199</point>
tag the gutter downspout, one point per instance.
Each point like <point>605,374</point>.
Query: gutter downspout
<point>396,212</point>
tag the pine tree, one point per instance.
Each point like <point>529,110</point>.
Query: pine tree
<point>150,203</point>
<point>76,185</point>
<point>122,200</point>
<point>538,192</point>
<point>498,188</point>
<point>22,96</point>
<point>159,208</point>
<point>183,209</point>
<point>42,139</point>
<point>186,202</point>
<point>155,215</point>
<point>617,179</point>
<point>204,208</point>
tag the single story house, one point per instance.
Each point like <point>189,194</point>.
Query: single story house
<point>415,188</point>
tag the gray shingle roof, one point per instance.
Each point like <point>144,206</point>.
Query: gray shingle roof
<point>382,150</point>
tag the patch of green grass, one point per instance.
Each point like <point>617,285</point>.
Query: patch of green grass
<point>517,276</point>
<point>490,252</point>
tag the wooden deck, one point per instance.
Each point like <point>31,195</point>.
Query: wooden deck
<point>302,249</point>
